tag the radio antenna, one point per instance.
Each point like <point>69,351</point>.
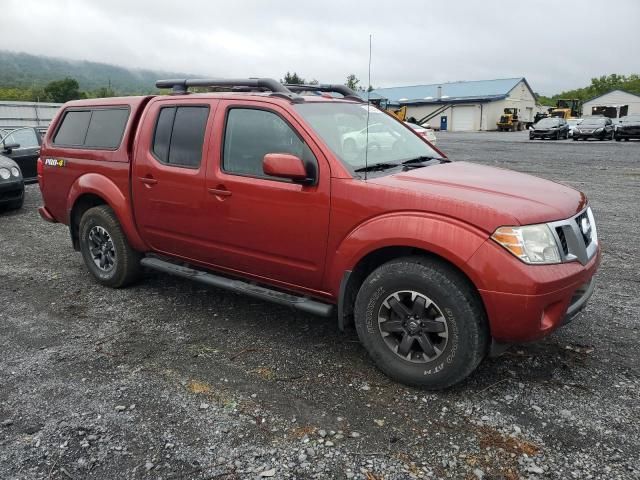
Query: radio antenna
<point>366,144</point>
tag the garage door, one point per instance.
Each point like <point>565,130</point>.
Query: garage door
<point>463,119</point>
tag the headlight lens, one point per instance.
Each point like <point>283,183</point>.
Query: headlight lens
<point>533,244</point>
<point>5,174</point>
<point>597,130</point>
<point>15,172</point>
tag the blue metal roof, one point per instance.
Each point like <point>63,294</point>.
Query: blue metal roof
<point>477,90</point>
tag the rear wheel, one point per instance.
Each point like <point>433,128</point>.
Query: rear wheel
<point>421,322</point>
<point>105,248</point>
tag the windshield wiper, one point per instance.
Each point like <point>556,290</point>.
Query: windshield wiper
<point>421,159</point>
<point>376,166</point>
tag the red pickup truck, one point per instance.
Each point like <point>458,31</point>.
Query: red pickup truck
<point>308,197</point>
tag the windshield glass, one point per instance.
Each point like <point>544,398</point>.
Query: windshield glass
<point>630,118</point>
<point>547,122</point>
<point>342,126</point>
<point>594,121</point>
<point>574,121</point>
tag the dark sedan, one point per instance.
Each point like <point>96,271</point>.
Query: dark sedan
<point>629,127</point>
<point>11,185</point>
<point>594,127</point>
<point>24,148</point>
<point>551,127</point>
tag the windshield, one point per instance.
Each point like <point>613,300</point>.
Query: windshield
<point>343,127</point>
<point>630,118</point>
<point>573,122</point>
<point>547,122</point>
<point>594,121</point>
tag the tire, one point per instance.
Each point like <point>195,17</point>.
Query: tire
<point>102,237</point>
<point>462,335</point>
<point>575,139</point>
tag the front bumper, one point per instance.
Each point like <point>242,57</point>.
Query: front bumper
<point>11,190</point>
<point>527,302</point>
<point>542,134</point>
<point>577,134</point>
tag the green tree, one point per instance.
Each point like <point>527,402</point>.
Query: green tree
<point>352,81</point>
<point>102,92</point>
<point>61,91</point>
<point>292,79</point>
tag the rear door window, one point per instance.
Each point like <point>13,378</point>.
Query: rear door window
<point>179,135</point>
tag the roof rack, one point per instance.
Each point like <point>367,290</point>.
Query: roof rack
<point>180,86</point>
<point>345,91</point>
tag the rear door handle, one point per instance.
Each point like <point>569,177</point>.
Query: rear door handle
<point>219,192</point>
<point>148,180</point>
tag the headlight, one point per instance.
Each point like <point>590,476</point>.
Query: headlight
<point>5,174</point>
<point>597,130</point>
<point>15,172</point>
<point>532,244</point>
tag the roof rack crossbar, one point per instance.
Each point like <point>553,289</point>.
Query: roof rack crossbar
<point>181,85</point>
<point>345,91</point>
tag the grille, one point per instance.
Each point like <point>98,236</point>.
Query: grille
<point>563,240</point>
<point>585,236</point>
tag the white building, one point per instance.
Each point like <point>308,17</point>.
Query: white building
<point>614,104</point>
<point>464,106</point>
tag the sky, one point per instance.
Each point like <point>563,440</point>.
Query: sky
<point>557,45</point>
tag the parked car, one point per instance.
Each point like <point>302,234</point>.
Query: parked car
<point>378,138</point>
<point>629,127</point>
<point>551,127</point>
<point>11,184</point>
<point>594,127</point>
<point>27,151</point>
<point>427,133</point>
<point>436,262</point>
<point>573,123</point>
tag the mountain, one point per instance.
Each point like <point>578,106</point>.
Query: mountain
<point>21,70</point>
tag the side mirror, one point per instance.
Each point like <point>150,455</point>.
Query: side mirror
<point>284,165</point>
<point>8,147</point>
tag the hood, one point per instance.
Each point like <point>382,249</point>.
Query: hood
<point>6,162</point>
<point>487,197</point>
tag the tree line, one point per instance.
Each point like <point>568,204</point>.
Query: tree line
<point>57,91</point>
<point>599,86</point>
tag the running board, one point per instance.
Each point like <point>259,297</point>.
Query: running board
<point>304,304</point>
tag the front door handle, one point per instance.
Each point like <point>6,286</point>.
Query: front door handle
<point>219,192</point>
<point>148,180</point>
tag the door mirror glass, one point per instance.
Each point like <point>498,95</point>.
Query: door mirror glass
<point>284,165</point>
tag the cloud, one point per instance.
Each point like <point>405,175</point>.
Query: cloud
<point>555,45</point>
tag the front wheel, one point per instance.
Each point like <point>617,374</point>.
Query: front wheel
<point>421,322</point>
<point>105,248</point>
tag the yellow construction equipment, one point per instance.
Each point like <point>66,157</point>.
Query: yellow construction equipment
<point>567,108</point>
<point>509,121</point>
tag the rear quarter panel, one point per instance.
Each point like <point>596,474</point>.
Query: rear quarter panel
<point>81,170</point>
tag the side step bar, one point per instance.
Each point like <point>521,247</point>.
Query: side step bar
<point>304,304</point>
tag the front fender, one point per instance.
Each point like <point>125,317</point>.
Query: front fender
<point>105,188</point>
<point>448,238</point>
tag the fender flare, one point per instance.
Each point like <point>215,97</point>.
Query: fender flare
<point>105,188</point>
<point>449,238</point>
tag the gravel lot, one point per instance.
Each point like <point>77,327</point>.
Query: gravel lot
<point>168,379</point>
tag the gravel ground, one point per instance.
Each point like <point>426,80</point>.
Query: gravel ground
<point>168,379</point>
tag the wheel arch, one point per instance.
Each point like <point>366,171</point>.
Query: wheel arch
<point>352,279</point>
<point>93,189</point>
<point>397,234</point>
